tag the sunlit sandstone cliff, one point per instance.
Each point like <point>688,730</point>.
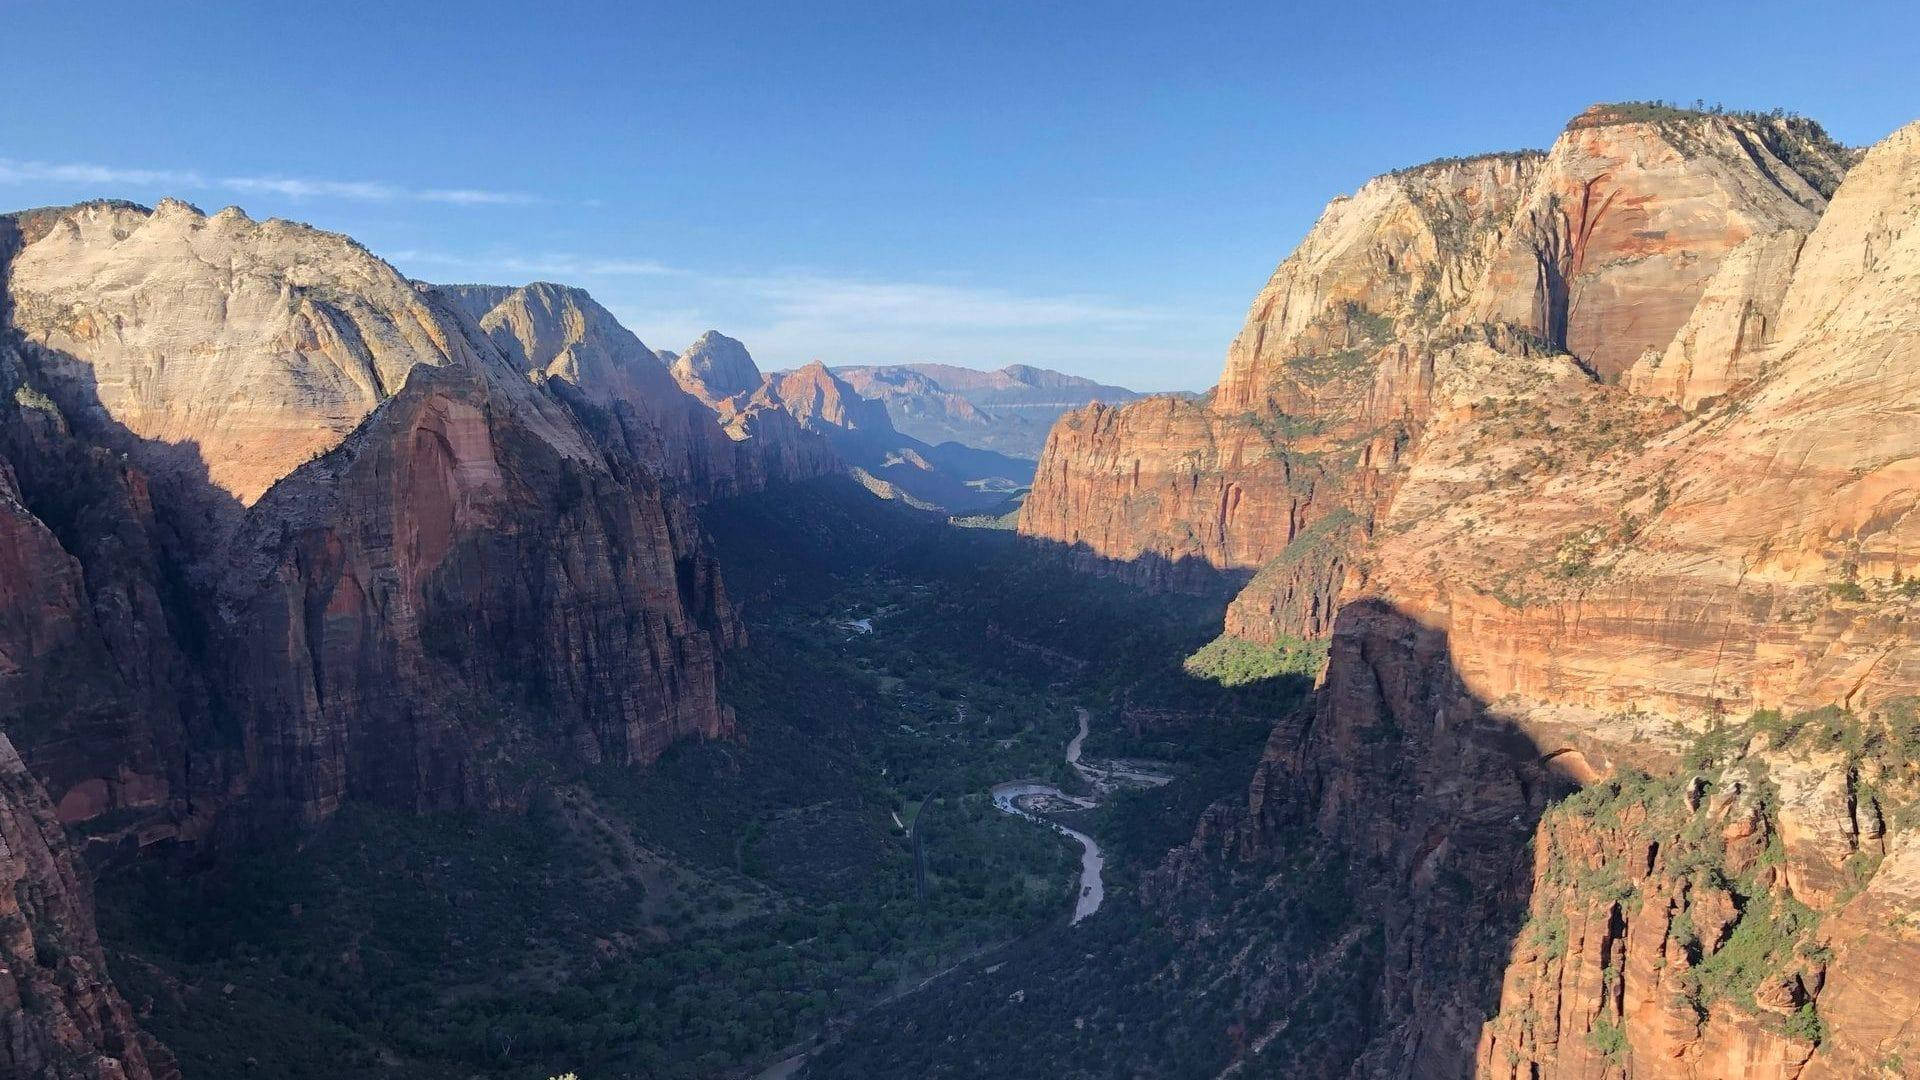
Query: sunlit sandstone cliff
<point>1692,601</point>
<point>624,393</point>
<point>1326,389</point>
<point>260,344</point>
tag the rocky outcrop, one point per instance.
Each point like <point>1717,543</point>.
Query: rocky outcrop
<point>716,367</point>
<point>1718,349</point>
<point>819,399</point>
<point>1167,492</point>
<point>809,414</point>
<point>1634,210</point>
<point>1404,252</point>
<point>949,476</point>
<point>1323,390</point>
<point>238,347</point>
<point>281,530</point>
<point>719,372</point>
<point>450,601</point>
<point>632,402</point>
<point>60,1016</point>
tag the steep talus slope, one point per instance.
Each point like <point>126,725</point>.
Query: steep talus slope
<point>1704,620</point>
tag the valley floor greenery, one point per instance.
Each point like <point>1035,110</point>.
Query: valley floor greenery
<point>738,898</point>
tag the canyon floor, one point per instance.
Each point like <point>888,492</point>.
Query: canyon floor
<point>742,897</point>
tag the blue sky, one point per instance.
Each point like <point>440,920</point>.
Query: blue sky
<point>1097,188</point>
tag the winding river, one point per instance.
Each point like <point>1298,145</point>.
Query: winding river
<point>1006,797</point>
<point>1104,778</point>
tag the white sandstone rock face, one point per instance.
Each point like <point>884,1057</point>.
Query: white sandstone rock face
<point>1629,220</point>
<point>1409,246</point>
<point>716,367</point>
<point>1721,347</point>
<point>1821,463</point>
<point>251,346</point>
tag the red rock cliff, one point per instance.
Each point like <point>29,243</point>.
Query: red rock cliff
<point>1602,247</point>
<point>1701,615</point>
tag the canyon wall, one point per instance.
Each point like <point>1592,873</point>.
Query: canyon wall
<point>366,553</point>
<point>60,1016</point>
<point>280,529</point>
<point>1333,372</point>
<point>1681,596</point>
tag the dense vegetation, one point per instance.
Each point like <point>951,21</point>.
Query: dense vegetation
<point>729,903</point>
<point>1231,661</point>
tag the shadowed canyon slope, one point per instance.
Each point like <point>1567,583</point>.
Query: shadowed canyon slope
<point>1615,442</point>
<point>283,529</point>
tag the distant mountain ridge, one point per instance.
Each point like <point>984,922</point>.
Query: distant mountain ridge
<point>718,371</point>
<point>1009,410</point>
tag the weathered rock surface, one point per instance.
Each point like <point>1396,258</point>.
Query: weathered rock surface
<point>820,399</point>
<point>243,347</point>
<point>60,1016</point>
<point>280,529</point>
<point>1630,216</point>
<point>472,580</point>
<point>631,401</point>
<point>1324,389</point>
<point>1567,582</point>
<point>449,595</point>
<point>1604,247</point>
<point>717,367</point>
<point>719,372</point>
<point>1718,349</point>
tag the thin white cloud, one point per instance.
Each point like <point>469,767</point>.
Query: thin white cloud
<point>796,316</point>
<point>291,187</point>
<point>559,266</point>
